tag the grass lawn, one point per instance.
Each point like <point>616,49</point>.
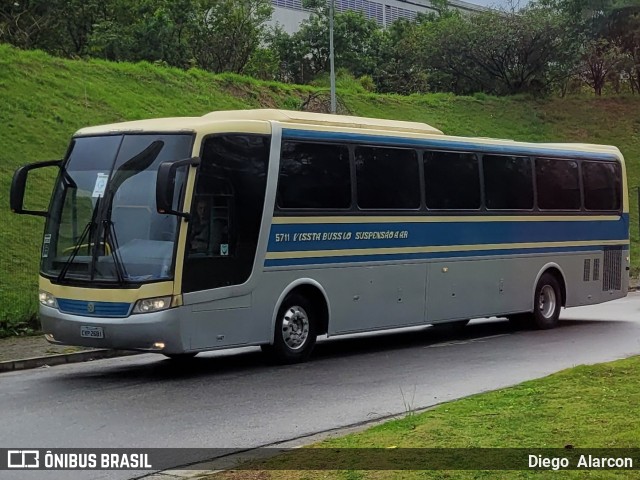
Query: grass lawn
<point>586,407</point>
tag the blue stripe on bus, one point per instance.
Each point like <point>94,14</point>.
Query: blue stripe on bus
<point>515,149</point>
<point>431,234</point>
<point>290,262</point>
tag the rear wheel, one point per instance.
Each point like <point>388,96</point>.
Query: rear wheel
<point>546,303</point>
<point>295,331</point>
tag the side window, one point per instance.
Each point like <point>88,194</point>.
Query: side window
<point>387,178</point>
<point>211,219</point>
<point>452,180</point>
<point>226,211</point>
<point>314,175</point>
<point>508,182</point>
<point>558,184</point>
<point>602,185</point>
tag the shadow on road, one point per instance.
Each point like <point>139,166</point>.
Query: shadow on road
<point>430,335</point>
<point>249,361</point>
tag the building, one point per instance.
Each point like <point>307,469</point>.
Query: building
<point>290,13</point>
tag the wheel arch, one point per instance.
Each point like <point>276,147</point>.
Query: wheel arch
<point>557,271</point>
<point>316,294</point>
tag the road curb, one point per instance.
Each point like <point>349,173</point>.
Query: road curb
<point>52,360</point>
<point>207,468</point>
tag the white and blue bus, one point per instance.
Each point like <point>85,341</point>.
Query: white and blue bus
<point>269,227</point>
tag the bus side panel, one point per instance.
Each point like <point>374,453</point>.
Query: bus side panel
<point>462,289</point>
<point>373,297</point>
<point>221,323</point>
<point>597,277</point>
<point>379,297</point>
<point>361,297</point>
<point>501,286</point>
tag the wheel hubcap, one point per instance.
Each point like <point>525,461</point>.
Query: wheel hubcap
<point>295,327</point>
<point>547,301</point>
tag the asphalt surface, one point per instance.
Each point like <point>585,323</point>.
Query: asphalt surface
<point>233,399</point>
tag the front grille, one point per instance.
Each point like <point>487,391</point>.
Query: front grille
<point>96,309</point>
<point>612,269</point>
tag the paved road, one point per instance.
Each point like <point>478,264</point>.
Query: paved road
<point>233,399</point>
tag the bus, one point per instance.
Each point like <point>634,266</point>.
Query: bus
<point>269,228</point>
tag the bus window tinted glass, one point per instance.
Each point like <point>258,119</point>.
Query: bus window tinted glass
<point>387,178</point>
<point>558,184</point>
<point>602,185</point>
<point>452,180</point>
<point>508,182</point>
<point>314,175</point>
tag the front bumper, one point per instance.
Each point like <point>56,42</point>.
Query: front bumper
<point>135,332</point>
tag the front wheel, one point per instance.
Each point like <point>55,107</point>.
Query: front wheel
<point>295,331</point>
<point>546,303</point>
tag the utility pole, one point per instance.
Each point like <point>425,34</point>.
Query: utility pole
<point>332,58</point>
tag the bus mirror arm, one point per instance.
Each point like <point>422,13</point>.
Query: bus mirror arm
<point>18,186</point>
<point>165,185</point>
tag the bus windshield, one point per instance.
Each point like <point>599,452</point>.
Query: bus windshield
<point>103,225</point>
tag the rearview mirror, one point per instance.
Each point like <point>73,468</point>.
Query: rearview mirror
<point>18,184</point>
<point>165,185</point>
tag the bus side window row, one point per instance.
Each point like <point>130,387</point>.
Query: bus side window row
<point>318,176</point>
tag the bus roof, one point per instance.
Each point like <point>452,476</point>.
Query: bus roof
<point>261,115</point>
<point>258,120</point>
<point>325,119</point>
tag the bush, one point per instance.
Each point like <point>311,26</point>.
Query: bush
<point>367,83</point>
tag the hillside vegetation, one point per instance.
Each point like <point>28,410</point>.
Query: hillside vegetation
<point>45,100</point>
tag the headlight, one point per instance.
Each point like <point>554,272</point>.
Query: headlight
<point>147,305</point>
<point>47,299</point>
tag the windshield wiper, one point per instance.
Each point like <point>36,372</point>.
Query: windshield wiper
<point>78,244</point>
<point>101,216</point>
<point>110,234</point>
<point>128,169</point>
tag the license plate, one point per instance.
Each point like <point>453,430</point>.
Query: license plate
<point>91,332</point>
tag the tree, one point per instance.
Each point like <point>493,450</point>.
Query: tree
<point>607,32</point>
<point>305,54</point>
<point>227,32</point>
<point>624,30</point>
<point>77,18</point>
<point>152,30</point>
<point>26,23</point>
<point>500,53</point>
<point>600,59</point>
<point>399,68</point>
<point>263,64</point>
<point>282,47</point>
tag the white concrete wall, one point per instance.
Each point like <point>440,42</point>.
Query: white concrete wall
<point>290,18</point>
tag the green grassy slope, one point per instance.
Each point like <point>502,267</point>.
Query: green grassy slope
<point>43,100</point>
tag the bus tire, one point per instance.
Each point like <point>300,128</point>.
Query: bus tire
<point>295,331</point>
<point>547,301</point>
